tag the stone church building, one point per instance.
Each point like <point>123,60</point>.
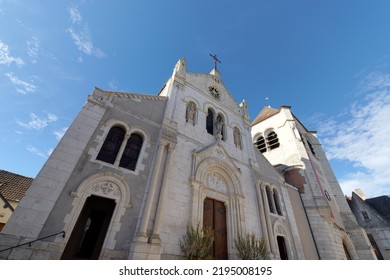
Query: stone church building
<point>133,170</point>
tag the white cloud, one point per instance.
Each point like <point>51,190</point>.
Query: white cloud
<point>38,152</point>
<point>36,122</point>
<point>6,57</point>
<point>375,81</point>
<point>21,86</point>
<point>74,15</point>
<point>81,35</point>
<point>83,41</point>
<point>362,139</point>
<point>33,49</point>
<point>51,117</point>
<point>112,85</point>
<point>60,133</point>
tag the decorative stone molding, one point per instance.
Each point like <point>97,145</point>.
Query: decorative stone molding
<point>107,185</point>
<point>218,153</point>
<point>106,188</point>
<point>214,91</point>
<point>133,96</point>
<point>280,230</point>
<point>216,182</point>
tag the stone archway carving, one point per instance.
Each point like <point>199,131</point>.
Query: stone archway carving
<point>216,179</point>
<point>280,231</point>
<point>106,185</point>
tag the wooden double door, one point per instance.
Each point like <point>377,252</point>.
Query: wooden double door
<point>214,215</point>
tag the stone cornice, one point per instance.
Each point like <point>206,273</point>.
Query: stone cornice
<point>133,95</point>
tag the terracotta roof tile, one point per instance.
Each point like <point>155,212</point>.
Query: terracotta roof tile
<point>264,114</point>
<point>13,186</point>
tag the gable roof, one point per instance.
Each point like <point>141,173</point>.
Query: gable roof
<point>265,114</point>
<point>13,186</point>
<point>355,200</point>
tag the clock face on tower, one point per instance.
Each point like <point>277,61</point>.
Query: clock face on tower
<point>213,90</point>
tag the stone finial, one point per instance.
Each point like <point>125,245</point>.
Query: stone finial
<point>244,106</point>
<point>180,67</point>
<point>216,75</point>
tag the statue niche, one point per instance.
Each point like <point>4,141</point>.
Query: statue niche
<point>191,113</point>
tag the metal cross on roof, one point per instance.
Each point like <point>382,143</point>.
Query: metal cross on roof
<point>215,60</point>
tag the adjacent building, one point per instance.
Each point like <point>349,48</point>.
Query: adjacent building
<point>373,215</point>
<point>12,188</point>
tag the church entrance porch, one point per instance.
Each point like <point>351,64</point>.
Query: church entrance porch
<point>90,230</point>
<point>214,215</point>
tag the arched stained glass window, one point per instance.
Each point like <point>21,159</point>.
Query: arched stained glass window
<point>277,202</point>
<point>210,122</point>
<point>270,199</point>
<point>131,153</point>
<point>111,145</point>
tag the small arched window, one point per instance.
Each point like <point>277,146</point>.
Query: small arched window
<point>270,199</point>
<point>311,148</point>
<point>131,153</point>
<point>272,140</point>
<point>210,122</point>
<point>237,137</point>
<point>277,202</point>
<point>111,145</point>
<point>260,144</point>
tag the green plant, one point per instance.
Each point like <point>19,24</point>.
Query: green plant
<point>196,243</point>
<point>251,248</point>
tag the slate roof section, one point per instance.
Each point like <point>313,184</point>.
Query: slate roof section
<point>13,186</point>
<point>381,204</point>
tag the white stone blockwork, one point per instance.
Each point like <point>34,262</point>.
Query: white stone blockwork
<point>201,162</point>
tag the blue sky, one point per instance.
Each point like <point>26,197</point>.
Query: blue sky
<point>329,60</point>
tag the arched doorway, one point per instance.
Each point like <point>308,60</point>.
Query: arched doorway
<point>90,230</point>
<point>214,215</point>
<point>282,247</point>
<point>217,188</point>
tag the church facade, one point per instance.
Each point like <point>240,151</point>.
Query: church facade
<point>133,170</point>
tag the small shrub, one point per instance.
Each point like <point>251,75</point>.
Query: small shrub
<point>196,243</point>
<point>251,248</point>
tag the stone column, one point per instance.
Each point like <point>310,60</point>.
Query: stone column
<point>121,149</point>
<point>262,217</point>
<point>268,222</point>
<point>152,190</point>
<point>155,238</point>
